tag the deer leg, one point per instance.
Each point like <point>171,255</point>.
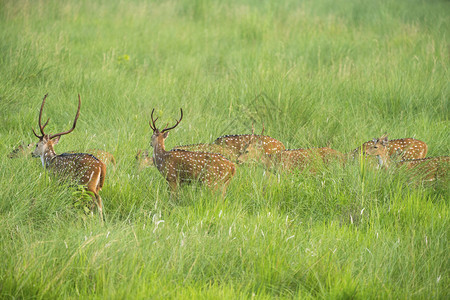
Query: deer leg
<point>224,190</point>
<point>173,187</point>
<point>96,201</point>
<point>100,207</point>
<point>93,186</point>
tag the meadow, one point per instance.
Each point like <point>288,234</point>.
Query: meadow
<point>314,72</point>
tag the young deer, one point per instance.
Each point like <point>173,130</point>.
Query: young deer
<point>82,168</point>
<point>143,159</point>
<point>25,150</point>
<point>291,158</point>
<point>427,169</point>
<point>406,148</point>
<point>301,158</point>
<point>238,144</point>
<point>181,166</point>
<point>21,151</point>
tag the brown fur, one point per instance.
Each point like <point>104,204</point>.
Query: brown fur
<point>424,169</point>
<point>239,143</point>
<point>144,159</point>
<point>181,166</point>
<point>21,151</point>
<point>428,169</point>
<point>81,168</point>
<point>210,148</point>
<point>406,148</point>
<point>301,158</point>
<point>25,151</point>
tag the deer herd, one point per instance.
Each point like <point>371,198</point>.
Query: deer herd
<point>214,165</point>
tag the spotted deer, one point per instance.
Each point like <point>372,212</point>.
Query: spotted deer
<point>426,169</point>
<point>21,151</point>
<point>406,148</point>
<point>105,157</point>
<point>290,159</point>
<point>143,158</point>
<point>238,144</point>
<point>81,168</point>
<point>182,166</point>
<point>25,151</point>
<point>211,148</point>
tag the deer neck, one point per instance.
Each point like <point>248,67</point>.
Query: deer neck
<point>159,153</point>
<point>47,156</point>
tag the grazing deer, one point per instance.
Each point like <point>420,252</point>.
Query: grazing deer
<point>25,151</point>
<point>21,151</point>
<point>239,143</point>
<point>181,166</point>
<point>82,168</point>
<point>428,169</point>
<point>143,159</point>
<point>292,158</point>
<point>406,148</point>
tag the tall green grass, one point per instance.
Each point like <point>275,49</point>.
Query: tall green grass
<point>315,73</point>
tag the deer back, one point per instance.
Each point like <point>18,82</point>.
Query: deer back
<point>78,167</point>
<point>184,166</point>
<point>211,148</point>
<point>429,168</point>
<point>299,158</point>
<point>238,144</point>
<point>104,156</point>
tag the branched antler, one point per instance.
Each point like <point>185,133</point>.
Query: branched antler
<point>41,128</point>
<point>152,123</point>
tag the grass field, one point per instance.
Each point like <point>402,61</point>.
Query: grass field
<point>315,72</point>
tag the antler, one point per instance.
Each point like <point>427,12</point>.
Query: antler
<point>40,117</point>
<point>153,122</point>
<point>262,132</point>
<point>74,122</point>
<point>178,122</point>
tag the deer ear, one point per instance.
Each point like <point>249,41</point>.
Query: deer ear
<point>56,140</point>
<point>165,134</point>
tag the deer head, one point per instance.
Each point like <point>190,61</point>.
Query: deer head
<point>22,150</point>
<point>159,136</point>
<point>46,141</point>
<point>380,150</point>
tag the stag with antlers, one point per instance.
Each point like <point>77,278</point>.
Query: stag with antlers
<point>181,166</point>
<point>81,168</point>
